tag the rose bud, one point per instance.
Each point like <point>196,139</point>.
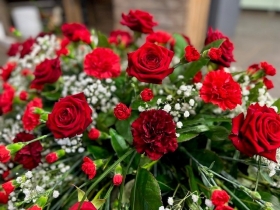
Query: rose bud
<point>54,156</point>
<point>191,54</point>
<point>122,112</point>
<point>94,134</point>
<point>147,94</point>
<point>23,95</point>
<point>117,179</point>
<point>7,151</point>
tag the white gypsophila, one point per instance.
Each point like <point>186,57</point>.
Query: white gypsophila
<point>179,124</point>
<point>170,201</point>
<point>194,198</point>
<point>141,109</point>
<point>191,102</point>
<point>271,165</point>
<point>186,114</point>
<point>177,106</point>
<point>208,203</point>
<point>161,208</point>
<point>55,194</point>
<point>177,135</point>
<point>28,174</point>
<point>169,98</point>
<point>9,129</point>
<point>198,85</point>
<point>167,108</point>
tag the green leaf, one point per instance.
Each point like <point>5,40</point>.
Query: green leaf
<point>102,40</point>
<point>270,198</point>
<point>192,181</point>
<point>218,133</point>
<point>98,152</point>
<point>180,45</point>
<point>52,96</point>
<point>195,129</point>
<point>118,143</point>
<point>215,44</point>
<point>105,120</point>
<point>123,127</point>
<point>98,203</point>
<point>80,194</point>
<point>246,200</point>
<point>277,104</point>
<point>194,67</point>
<point>146,192</point>
<point>186,136</point>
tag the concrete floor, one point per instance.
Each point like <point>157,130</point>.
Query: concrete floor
<point>257,38</point>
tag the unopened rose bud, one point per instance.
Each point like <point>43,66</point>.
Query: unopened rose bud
<point>54,156</point>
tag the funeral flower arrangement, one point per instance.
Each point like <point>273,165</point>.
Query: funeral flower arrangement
<point>90,122</point>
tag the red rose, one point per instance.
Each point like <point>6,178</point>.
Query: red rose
<point>268,83</point>
<point>150,63</point>
<point>70,116</point>
<point>224,208</point>
<point>51,157</point>
<point>8,187</point>
<point>197,77</point>
<point>29,119</point>
<point>87,205</point>
<point>102,63</point>
<point>214,53</point>
<point>117,179</point>
<point>35,207</point>
<point>122,112</point>
<point>6,98</point>
<point>23,95</point>
<point>26,47</point>
<point>258,133</point>
<point>227,47</point>
<point>253,69</point>
<point>76,32</point>
<point>14,49</point>
<point>219,88</point>
<point>5,155</point>
<point>94,134</point>
<point>154,132</point>
<point>30,155</point>
<point>219,197</point>
<point>3,197</point>
<point>191,54</point>
<point>138,20</point>
<point>120,37</point>
<point>47,72</point>
<point>5,71</point>
<point>89,167</point>
<point>268,69</point>
<point>147,94</point>
<point>162,38</point>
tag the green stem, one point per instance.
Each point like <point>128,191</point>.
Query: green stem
<point>258,173</point>
<point>39,138</point>
<point>104,174</point>
<point>107,195</point>
<point>124,176</point>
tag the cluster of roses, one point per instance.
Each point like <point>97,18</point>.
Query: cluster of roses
<point>154,131</point>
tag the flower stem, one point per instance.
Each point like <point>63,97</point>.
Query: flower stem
<point>258,173</point>
<point>39,138</point>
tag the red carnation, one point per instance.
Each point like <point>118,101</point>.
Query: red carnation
<point>3,197</point>
<point>23,95</point>
<point>147,94</point>
<point>5,71</point>
<point>89,167</point>
<point>122,112</point>
<point>197,77</point>
<point>268,69</point>
<point>214,53</point>
<point>35,207</point>
<point>94,134</point>
<point>8,187</point>
<point>14,49</point>
<point>6,98</point>
<point>138,20</point>
<point>30,155</point>
<point>219,197</point>
<point>268,83</point>
<point>63,47</point>
<point>191,54</point>
<point>5,154</point>
<point>117,179</point>
<point>47,72</point>
<point>29,119</point>
<point>86,205</point>
<point>26,47</point>
<point>5,173</point>
<point>227,47</point>
<point>70,116</point>
<point>119,37</point>
<point>224,208</point>
<point>76,32</point>
<point>162,38</point>
<point>102,63</point>
<point>219,88</point>
<point>51,157</point>
<point>154,132</point>
<point>150,63</point>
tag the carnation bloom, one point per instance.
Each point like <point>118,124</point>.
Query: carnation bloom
<point>197,77</point>
<point>161,38</point>
<point>122,112</point>
<point>120,37</point>
<point>26,47</point>
<point>147,94</point>
<point>5,154</point>
<point>5,71</point>
<point>14,49</point>
<point>3,197</point>
<point>6,98</point>
<point>86,205</point>
<point>89,167</point>
<point>23,95</point>
<point>219,197</point>
<point>102,63</point>
<point>117,179</point>
<point>29,119</point>
<point>76,32</point>
<point>94,134</point>
<point>227,47</point>
<point>220,89</point>
<point>268,83</point>
<point>30,155</point>
<point>8,187</point>
<point>214,53</point>
<point>268,69</point>
<point>35,207</point>
<point>191,54</point>
<point>225,207</point>
<point>154,133</point>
